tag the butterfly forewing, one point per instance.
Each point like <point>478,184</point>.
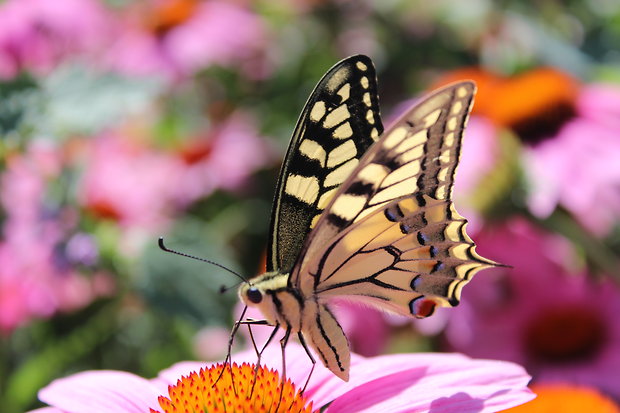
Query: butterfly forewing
<point>339,122</point>
<point>391,236</point>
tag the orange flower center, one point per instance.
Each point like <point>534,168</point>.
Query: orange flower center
<point>168,14</point>
<point>565,334</point>
<point>253,390</point>
<point>566,398</point>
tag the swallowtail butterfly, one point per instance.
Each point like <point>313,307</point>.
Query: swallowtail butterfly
<point>365,214</point>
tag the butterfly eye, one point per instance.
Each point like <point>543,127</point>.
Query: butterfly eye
<point>254,295</point>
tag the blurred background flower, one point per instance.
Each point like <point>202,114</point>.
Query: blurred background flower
<point>123,120</point>
<point>546,313</point>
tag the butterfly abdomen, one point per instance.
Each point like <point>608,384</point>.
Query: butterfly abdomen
<point>286,307</point>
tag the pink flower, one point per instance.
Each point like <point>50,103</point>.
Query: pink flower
<point>478,156</point>
<point>579,168</point>
<point>37,34</point>
<point>559,323</point>
<point>366,328</point>
<point>181,37</point>
<point>393,383</point>
<point>224,159</point>
<point>143,187</point>
<point>129,182</point>
<point>34,280</point>
<point>211,343</point>
<point>480,178</point>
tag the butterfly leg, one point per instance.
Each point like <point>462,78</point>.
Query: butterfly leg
<point>283,343</point>
<point>259,354</point>
<point>305,346</point>
<point>228,359</point>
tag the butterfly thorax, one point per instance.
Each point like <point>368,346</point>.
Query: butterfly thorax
<point>279,303</point>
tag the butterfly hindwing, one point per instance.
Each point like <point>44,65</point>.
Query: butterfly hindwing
<point>391,235</point>
<point>339,122</point>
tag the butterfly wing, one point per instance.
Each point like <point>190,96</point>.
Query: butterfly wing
<point>391,235</point>
<point>339,122</point>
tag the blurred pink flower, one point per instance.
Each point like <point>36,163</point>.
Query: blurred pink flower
<point>579,167</point>
<point>222,160</point>
<point>478,155</point>
<point>366,328</point>
<point>33,280</point>
<point>393,383</point>
<point>143,187</point>
<point>129,182</point>
<point>36,34</point>
<point>561,325</point>
<point>175,38</point>
<point>211,342</point>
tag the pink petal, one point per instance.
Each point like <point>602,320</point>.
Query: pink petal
<point>437,382</point>
<point>101,391</point>
<point>170,376</point>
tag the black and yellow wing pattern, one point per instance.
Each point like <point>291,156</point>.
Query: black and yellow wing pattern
<point>338,124</point>
<point>390,236</point>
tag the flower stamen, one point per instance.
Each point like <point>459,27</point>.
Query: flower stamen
<point>226,387</point>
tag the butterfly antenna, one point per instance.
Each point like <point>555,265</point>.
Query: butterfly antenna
<point>224,289</point>
<point>164,248</point>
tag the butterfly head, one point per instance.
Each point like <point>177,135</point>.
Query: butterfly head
<point>260,291</point>
<point>254,295</point>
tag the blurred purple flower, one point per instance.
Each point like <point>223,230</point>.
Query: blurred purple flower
<point>32,283</point>
<point>175,38</point>
<point>579,167</point>
<point>392,383</point>
<point>36,34</point>
<point>561,325</point>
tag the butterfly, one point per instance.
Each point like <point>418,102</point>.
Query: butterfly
<point>365,214</point>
